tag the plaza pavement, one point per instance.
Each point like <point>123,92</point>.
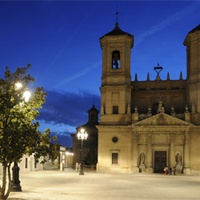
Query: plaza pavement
<point>69,185</point>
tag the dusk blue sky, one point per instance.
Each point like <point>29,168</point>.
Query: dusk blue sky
<point>60,39</point>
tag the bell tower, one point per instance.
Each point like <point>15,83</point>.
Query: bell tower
<point>116,79</point>
<point>192,43</point>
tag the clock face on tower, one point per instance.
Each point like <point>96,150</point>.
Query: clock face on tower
<point>115,60</point>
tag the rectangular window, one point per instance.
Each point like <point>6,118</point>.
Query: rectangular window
<point>114,158</point>
<point>115,109</point>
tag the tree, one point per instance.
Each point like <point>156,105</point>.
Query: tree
<point>19,132</point>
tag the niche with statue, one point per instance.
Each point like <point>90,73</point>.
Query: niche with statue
<point>142,164</point>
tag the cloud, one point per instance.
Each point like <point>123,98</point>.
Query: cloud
<point>68,108</point>
<point>64,111</point>
<point>64,139</point>
<point>59,128</point>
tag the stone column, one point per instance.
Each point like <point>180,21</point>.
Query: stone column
<point>171,153</point>
<point>149,154</point>
<point>186,156</point>
<point>135,168</point>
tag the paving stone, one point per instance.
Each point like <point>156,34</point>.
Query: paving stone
<point>69,185</point>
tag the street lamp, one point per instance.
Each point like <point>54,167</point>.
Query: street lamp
<point>26,94</point>
<point>82,135</point>
<point>15,178</point>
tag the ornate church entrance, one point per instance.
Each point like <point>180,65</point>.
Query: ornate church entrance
<point>160,161</point>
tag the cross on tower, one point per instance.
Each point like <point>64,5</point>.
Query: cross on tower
<point>117,13</point>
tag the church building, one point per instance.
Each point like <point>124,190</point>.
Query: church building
<point>90,145</point>
<point>146,126</point>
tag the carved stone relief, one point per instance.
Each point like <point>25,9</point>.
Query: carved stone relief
<point>160,139</point>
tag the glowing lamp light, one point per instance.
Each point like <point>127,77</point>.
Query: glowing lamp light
<point>18,85</point>
<point>69,153</point>
<point>27,95</point>
<point>82,134</point>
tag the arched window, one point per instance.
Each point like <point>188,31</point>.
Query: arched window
<point>115,60</point>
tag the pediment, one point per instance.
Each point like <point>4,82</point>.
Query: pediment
<point>162,119</point>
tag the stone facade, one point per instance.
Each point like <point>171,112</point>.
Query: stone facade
<point>146,126</point>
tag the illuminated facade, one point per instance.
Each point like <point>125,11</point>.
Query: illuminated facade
<point>148,125</point>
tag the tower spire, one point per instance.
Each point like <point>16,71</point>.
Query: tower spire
<point>93,101</point>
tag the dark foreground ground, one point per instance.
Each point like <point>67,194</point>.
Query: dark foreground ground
<point>69,185</point>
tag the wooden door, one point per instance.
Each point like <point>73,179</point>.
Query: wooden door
<point>160,161</point>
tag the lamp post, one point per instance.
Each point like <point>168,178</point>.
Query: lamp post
<point>15,176</point>
<point>16,187</point>
<point>82,135</point>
